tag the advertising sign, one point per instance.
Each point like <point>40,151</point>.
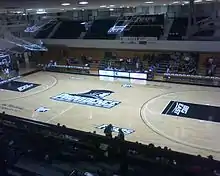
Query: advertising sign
<point>138,75</point>
<point>106,73</point>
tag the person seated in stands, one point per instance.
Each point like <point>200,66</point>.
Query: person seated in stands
<point>128,60</point>
<point>191,67</point>
<point>141,66</point>
<point>74,60</point>
<point>168,69</point>
<point>192,71</point>
<point>129,63</point>
<point>89,59</point>
<point>211,67</point>
<point>121,60</point>
<point>50,63</point>
<point>108,131</point>
<point>68,62</point>
<point>137,64</point>
<point>83,59</point>
<point>109,66</point>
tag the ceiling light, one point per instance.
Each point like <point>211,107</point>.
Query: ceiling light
<point>121,6</point>
<point>111,5</point>
<point>18,12</point>
<point>102,6</point>
<point>128,7</point>
<point>176,2</point>
<point>83,9</point>
<point>83,2</point>
<point>29,9</point>
<point>74,8</point>
<point>111,9</point>
<point>196,1</point>
<point>149,2</point>
<point>208,0</point>
<point>186,2</point>
<point>164,4</point>
<point>65,4</point>
<point>41,11</point>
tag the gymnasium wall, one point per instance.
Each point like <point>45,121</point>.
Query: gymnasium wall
<point>59,53</point>
<point>158,45</point>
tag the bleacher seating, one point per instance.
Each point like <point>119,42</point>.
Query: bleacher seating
<point>69,29</point>
<point>161,63</point>
<point>177,63</point>
<point>99,29</point>
<point>200,80</point>
<point>178,29</point>
<point>146,26</point>
<point>205,33</point>
<point>144,31</point>
<point>51,149</point>
<point>45,30</point>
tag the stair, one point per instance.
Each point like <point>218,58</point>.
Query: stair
<point>54,29</point>
<point>168,23</point>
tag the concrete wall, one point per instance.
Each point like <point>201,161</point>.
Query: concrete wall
<point>198,46</point>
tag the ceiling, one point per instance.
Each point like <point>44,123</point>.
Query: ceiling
<point>32,5</point>
<point>73,3</point>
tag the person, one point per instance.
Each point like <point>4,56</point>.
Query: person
<point>121,135</point>
<point>7,72</point>
<point>17,69</point>
<point>108,130</point>
<point>168,69</point>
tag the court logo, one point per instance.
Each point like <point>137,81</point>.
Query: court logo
<point>25,87</point>
<point>91,98</point>
<point>180,108</point>
<point>18,86</point>
<point>127,85</point>
<point>42,109</point>
<point>116,129</point>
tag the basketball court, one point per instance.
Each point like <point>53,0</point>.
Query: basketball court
<point>182,117</point>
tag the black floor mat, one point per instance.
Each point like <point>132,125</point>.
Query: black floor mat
<point>18,86</point>
<point>193,111</point>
